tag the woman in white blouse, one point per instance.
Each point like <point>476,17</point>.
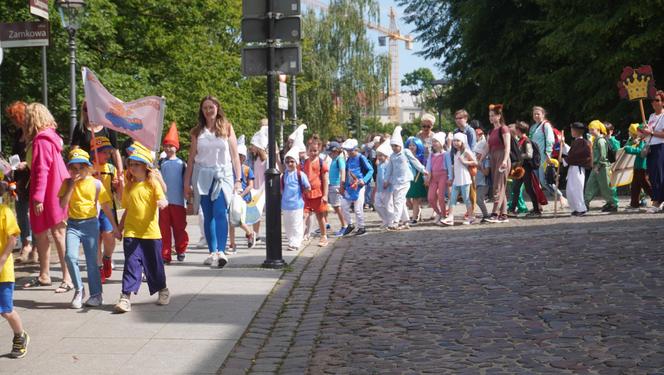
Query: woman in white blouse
<point>213,162</point>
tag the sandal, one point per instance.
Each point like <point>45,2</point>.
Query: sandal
<point>64,288</point>
<point>35,282</point>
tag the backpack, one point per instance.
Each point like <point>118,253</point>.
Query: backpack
<point>557,136</point>
<point>363,165</point>
<point>536,161</point>
<point>515,154</point>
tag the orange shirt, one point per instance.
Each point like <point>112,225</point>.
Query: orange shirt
<point>314,174</point>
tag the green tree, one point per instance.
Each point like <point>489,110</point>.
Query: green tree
<point>180,50</point>
<point>343,78</point>
<point>564,55</point>
<point>418,80</point>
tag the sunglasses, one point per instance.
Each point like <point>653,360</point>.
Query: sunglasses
<point>657,100</point>
<point>426,126</point>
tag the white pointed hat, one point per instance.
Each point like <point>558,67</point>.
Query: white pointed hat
<point>385,148</point>
<point>241,147</point>
<point>396,137</point>
<point>461,137</point>
<point>298,138</point>
<point>260,139</point>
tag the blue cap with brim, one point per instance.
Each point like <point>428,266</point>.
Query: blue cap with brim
<point>79,161</point>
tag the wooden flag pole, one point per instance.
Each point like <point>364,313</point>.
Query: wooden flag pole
<point>643,112</point>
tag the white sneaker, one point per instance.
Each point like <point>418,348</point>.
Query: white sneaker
<point>222,261</point>
<point>94,301</point>
<point>164,297</point>
<point>123,305</point>
<point>653,210</point>
<point>208,261</point>
<point>77,301</point>
<point>449,220</point>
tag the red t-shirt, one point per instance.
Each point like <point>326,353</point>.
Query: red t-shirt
<point>496,138</point>
<point>314,174</point>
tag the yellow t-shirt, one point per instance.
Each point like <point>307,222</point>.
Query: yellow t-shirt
<point>82,203</point>
<point>8,227</point>
<point>108,172</point>
<point>140,202</point>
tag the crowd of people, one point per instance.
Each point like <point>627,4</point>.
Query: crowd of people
<point>77,199</point>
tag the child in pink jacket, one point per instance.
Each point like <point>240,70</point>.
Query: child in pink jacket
<point>47,172</point>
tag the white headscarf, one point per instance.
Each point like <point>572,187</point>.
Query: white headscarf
<point>241,148</point>
<point>385,148</point>
<point>260,139</point>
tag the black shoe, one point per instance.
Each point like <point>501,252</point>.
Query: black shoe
<point>493,219</point>
<point>575,213</point>
<point>181,257</point>
<point>610,209</point>
<point>534,214</point>
<point>350,228</point>
<point>361,232</point>
<point>20,345</point>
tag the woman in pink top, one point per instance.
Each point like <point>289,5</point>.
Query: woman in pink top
<point>47,172</point>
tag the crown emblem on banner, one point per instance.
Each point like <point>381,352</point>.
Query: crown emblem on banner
<point>637,84</point>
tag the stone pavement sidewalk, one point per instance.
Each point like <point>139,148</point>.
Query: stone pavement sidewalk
<point>208,313</point>
<point>534,296</point>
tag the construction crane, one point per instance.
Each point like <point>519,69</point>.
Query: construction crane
<point>392,33</point>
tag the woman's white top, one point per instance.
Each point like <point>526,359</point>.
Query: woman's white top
<point>212,150</point>
<point>656,123</point>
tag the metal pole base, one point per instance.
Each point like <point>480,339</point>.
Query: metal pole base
<point>274,264</point>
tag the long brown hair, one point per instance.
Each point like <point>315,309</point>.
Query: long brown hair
<point>498,109</point>
<point>222,127</point>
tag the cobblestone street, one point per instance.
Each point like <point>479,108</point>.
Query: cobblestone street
<point>568,295</point>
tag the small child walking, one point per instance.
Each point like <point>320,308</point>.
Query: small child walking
<point>293,185</point>
<point>315,200</point>
<point>483,177</point>
<point>173,218</point>
<point>142,196</point>
<point>461,179</point>
<point>247,180</point>
<point>598,182</point>
<point>383,200</point>
<point>9,233</point>
<point>100,154</point>
<point>640,181</point>
<point>439,167</point>
<point>579,157</point>
<point>82,194</point>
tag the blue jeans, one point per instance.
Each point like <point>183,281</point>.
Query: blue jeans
<point>85,232</point>
<point>465,195</point>
<point>215,222</point>
<point>22,209</point>
<point>367,193</point>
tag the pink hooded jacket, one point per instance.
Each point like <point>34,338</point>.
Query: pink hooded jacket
<point>47,172</point>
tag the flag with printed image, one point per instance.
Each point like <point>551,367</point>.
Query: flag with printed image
<point>141,119</point>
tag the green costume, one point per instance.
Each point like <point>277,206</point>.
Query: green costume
<point>521,203</point>
<point>615,144</point>
<point>599,176</point>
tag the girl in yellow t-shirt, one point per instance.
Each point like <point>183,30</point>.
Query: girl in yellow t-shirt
<point>142,196</point>
<point>84,194</point>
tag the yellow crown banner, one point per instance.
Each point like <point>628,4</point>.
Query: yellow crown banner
<point>637,84</point>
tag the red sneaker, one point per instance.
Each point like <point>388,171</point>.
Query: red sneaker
<point>107,270</point>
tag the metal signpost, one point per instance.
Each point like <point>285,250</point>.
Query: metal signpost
<point>265,25</point>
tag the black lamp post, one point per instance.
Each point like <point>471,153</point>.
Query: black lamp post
<point>71,12</point>
<point>439,90</point>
